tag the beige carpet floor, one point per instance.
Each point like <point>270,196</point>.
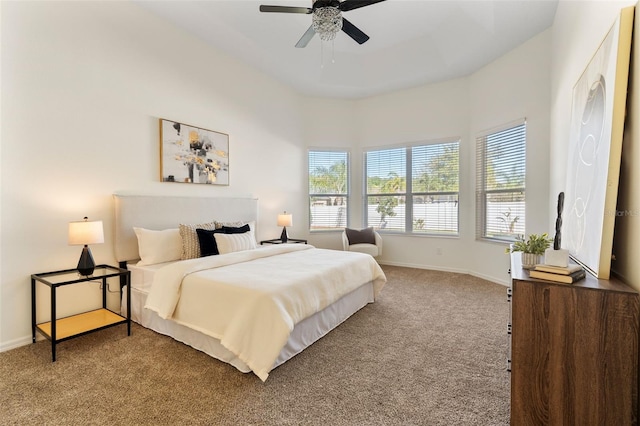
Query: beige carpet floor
<point>430,351</point>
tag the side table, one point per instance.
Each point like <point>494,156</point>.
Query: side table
<point>60,329</point>
<point>279,241</point>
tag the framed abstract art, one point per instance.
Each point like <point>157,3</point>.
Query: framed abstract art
<point>595,147</point>
<point>190,154</point>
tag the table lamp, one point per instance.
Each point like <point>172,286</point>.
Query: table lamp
<point>285,219</point>
<point>84,233</point>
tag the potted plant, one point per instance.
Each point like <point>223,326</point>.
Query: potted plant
<point>532,248</point>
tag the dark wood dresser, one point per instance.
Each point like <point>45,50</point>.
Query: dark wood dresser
<point>574,351</point>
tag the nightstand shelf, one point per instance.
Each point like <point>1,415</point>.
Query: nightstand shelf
<point>80,324</point>
<point>60,329</point>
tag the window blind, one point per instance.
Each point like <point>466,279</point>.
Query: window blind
<point>500,183</point>
<point>435,187</point>
<point>328,189</point>
<point>413,188</point>
<point>386,186</point>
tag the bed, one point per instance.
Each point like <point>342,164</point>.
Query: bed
<point>253,307</point>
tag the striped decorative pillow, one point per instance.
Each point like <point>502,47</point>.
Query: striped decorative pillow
<point>229,243</point>
<point>190,243</point>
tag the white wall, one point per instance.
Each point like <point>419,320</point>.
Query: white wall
<point>578,30</point>
<point>426,113</point>
<point>512,87</point>
<point>83,86</point>
<point>330,123</point>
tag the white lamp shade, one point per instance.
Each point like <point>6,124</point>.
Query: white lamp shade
<point>85,232</point>
<point>285,219</point>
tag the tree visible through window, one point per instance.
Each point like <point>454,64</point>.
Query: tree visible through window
<point>436,178</point>
<point>413,188</point>
<point>328,189</point>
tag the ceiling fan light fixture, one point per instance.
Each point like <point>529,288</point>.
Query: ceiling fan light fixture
<point>327,22</point>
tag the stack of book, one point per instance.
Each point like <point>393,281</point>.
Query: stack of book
<point>567,275</point>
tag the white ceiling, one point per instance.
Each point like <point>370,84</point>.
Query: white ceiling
<point>412,42</point>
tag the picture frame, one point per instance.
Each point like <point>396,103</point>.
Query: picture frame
<point>190,154</point>
<point>595,150</point>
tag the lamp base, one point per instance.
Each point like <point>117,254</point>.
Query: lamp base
<point>284,237</point>
<point>86,265</point>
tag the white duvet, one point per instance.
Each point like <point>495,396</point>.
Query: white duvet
<point>251,300</point>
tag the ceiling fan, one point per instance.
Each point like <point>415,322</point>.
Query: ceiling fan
<point>327,18</point>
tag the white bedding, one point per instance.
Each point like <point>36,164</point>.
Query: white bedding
<point>252,300</point>
<point>304,333</point>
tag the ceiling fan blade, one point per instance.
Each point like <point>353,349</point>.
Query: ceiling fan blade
<point>285,9</point>
<point>306,37</point>
<point>356,4</point>
<point>353,31</point>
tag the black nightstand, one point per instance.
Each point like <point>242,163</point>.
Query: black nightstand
<point>60,329</point>
<point>279,241</point>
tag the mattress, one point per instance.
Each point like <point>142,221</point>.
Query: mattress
<point>303,335</point>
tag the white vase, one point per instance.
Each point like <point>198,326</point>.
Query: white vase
<point>529,260</point>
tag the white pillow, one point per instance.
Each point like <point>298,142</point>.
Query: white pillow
<point>228,243</point>
<point>158,246</point>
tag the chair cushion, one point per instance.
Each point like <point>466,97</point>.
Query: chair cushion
<point>371,249</point>
<point>364,236</point>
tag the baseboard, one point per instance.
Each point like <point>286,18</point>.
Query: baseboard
<point>429,267</point>
<point>503,282</point>
<point>23,341</point>
<point>506,283</point>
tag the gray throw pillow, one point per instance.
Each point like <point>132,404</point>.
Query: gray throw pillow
<point>365,236</point>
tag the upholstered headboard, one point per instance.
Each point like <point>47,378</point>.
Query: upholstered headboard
<point>163,212</point>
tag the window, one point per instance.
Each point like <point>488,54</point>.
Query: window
<point>328,189</point>
<point>413,189</point>
<point>500,183</point>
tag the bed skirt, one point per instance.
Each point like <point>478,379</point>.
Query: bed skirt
<point>303,335</point>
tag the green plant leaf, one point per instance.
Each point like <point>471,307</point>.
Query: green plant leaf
<point>535,244</point>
